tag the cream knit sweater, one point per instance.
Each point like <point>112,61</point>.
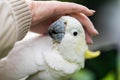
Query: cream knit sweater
<point>15,20</point>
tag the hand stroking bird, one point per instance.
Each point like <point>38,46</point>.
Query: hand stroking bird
<point>55,56</point>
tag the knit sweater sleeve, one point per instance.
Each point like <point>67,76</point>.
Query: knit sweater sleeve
<point>15,20</point>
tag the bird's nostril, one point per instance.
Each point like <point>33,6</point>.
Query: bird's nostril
<point>65,23</point>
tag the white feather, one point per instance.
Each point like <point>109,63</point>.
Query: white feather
<point>39,59</point>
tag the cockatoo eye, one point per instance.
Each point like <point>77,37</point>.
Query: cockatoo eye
<point>74,32</point>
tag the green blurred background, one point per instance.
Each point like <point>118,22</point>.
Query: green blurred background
<point>107,22</point>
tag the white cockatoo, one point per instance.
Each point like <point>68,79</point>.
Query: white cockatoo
<point>55,56</point>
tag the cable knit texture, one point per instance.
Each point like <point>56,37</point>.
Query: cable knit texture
<point>14,24</point>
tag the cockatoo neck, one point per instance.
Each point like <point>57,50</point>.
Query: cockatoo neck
<point>72,53</point>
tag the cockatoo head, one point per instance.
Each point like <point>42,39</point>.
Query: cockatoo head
<point>68,26</point>
<point>69,38</point>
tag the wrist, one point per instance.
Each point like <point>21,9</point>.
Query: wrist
<point>29,3</point>
<point>31,6</point>
<point>22,17</point>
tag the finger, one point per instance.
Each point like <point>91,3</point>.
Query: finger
<point>39,28</point>
<point>67,8</point>
<point>88,38</point>
<point>86,22</point>
<point>42,27</point>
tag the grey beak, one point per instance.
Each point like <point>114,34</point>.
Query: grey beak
<point>57,30</point>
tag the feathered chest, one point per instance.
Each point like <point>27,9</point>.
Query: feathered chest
<point>57,67</point>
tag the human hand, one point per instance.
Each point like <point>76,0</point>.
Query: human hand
<point>45,13</point>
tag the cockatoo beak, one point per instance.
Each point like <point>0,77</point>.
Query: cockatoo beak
<point>89,54</point>
<point>57,30</point>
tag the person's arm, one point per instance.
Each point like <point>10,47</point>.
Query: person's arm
<point>15,20</point>
<point>18,15</point>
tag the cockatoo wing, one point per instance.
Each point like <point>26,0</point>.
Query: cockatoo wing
<point>55,61</point>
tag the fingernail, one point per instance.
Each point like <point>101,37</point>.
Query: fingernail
<point>93,11</point>
<point>96,32</point>
<point>90,42</point>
